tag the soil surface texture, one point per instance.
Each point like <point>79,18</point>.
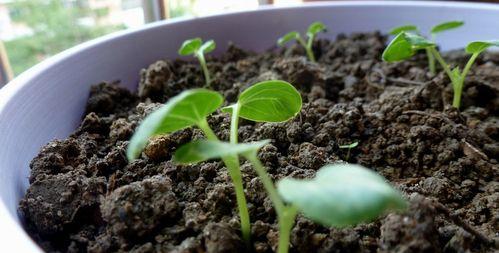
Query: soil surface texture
<point>85,196</point>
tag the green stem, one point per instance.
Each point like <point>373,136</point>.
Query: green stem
<point>442,62</point>
<point>457,80</point>
<point>286,222</point>
<point>205,127</point>
<point>206,73</point>
<point>234,123</point>
<point>431,62</point>
<point>285,214</point>
<point>237,177</point>
<point>267,182</point>
<point>308,48</point>
<point>458,90</point>
<point>232,163</point>
<point>458,86</point>
<point>310,52</point>
<point>348,154</point>
<point>468,65</point>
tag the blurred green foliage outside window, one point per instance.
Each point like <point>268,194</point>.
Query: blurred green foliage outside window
<point>33,30</point>
<point>55,26</point>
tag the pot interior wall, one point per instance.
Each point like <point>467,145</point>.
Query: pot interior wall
<point>47,101</point>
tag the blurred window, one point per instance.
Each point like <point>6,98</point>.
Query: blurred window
<point>33,30</point>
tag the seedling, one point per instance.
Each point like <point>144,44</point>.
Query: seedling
<point>198,49</point>
<point>434,31</point>
<point>349,147</point>
<point>269,101</point>
<point>406,44</point>
<point>312,31</point>
<point>340,195</point>
<point>191,108</point>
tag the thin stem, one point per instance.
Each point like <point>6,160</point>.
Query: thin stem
<point>301,41</point>
<point>286,214</point>
<point>348,154</point>
<point>468,65</point>
<point>442,62</point>
<point>234,123</point>
<point>206,73</point>
<point>308,48</point>
<point>205,127</point>
<point>310,52</point>
<point>236,176</point>
<point>286,222</point>
<point>232,164</point>
<point>267,182</point>
<point>431,62</point>
<point>458,92</point>
<point>458,86</point>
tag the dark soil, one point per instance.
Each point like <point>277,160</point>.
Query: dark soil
<point>85,196</point>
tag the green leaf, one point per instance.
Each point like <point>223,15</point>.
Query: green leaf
<point>404,28</point>
<point>351,145</point>
<point>184,110</point>
<point>208,46</point>
<point>202,150</point>
<point>190,46</point>
<point>404,46</point>
<point>315,28</point>
<point>477,47</point>
<point>417,41</point>
<point>269,101</point>
<point>399,49</point>
<point>446,26</point>
<point>288,37</point>
<point>341,195</point>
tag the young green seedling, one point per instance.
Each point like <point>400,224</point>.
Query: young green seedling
<point>406,44</point>
<point>269,101</point>
<point>349,147</point>
<point>323,199</point>
<point>196,48</point>
<point>312,31</point>
<point>340,195</point>
<point>191,108</point>
<point>442,27</point>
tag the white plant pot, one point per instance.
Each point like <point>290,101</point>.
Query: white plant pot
<point>47,101</point>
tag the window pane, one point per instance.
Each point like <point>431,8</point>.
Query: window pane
<point>33,30</point>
